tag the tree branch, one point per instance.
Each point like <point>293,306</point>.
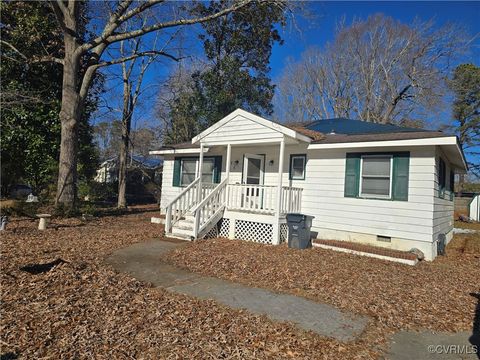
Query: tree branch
<point>48,58</point>
<point>169,24</point>
<point>137,55</point>
<point>14,49</point>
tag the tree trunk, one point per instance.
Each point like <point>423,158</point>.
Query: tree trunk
<point>126,124</point>
<point>70,113</point>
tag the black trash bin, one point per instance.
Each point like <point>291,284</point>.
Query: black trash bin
<point>299,231</point>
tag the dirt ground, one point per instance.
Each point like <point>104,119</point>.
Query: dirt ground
<point>60,301</point>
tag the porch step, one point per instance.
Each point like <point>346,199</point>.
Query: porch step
<point>187,223</point>
<point>183,231</point>
<point>180,236</point>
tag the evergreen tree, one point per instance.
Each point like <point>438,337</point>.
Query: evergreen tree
<point>465,85</point>
<point>31,93</point>
<point>237,48</point>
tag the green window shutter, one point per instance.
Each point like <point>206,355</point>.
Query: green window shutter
<point>176,172</point>
<point>352,175</point>
<point>452,181</point>
<point>217,169</point>
<point>401,162</point>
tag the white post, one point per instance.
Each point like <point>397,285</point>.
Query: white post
<point>276,225</point>
<point>168,219</point>
<point>227,171</point>
<point>200,166</point>
<point>227,165</point>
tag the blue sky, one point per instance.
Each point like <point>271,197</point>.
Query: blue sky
<point>327,13</point>
<point>319,29</point>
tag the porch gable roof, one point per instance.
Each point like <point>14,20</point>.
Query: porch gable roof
<point>239,115</point>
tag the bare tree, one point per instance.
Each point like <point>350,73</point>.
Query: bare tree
<point>379,70</point>
<point>82,59</point>
<point>132,85</point>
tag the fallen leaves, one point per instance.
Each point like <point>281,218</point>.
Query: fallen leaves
<point>434,295</point>
<point>80,308</point>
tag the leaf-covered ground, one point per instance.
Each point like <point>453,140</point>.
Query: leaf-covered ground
<point>435,295</point>
<point>77,307</point>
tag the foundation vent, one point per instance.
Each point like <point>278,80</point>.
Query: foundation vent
<point>384,238</point>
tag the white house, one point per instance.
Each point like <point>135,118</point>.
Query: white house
<point>381,185</point>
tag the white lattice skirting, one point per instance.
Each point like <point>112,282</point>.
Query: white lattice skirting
<point>253,231</point>
<point>247,230</point>
<point>224,227</point>
<point>283,233</point>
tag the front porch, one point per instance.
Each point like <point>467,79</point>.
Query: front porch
<point>241,206</point>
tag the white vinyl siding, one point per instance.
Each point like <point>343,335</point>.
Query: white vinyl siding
<point>443,205</point>
<point>239,129</point>
<point>420,219</point>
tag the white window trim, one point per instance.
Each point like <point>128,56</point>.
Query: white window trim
<point>197,169</point>
<point>292,159</point>
<point>376,196</point>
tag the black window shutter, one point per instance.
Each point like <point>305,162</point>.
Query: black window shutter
<point>401,164</point>
<point>352,175</point>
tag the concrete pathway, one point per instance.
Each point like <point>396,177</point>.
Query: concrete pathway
<point>143,261</point>
<point>407,345</point>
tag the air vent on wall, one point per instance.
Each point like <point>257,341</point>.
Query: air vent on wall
<point>384,238</point>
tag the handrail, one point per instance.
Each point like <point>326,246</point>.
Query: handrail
<point>181,204</point>
<point>209,207</point>
<point>193,183</point>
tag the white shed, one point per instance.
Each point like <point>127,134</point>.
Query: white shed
<point>474,208</point>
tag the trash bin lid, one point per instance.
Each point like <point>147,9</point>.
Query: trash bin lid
<point>295,217</point>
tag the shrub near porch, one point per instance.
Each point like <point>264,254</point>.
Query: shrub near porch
<point>435,296</point>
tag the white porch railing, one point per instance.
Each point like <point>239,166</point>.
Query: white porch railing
<point>187,199</point>
<point>262,198</point>
<point>291,200</point>
<point>210,209</point>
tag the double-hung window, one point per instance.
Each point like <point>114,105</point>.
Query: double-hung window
<point>297,166</point>
<point>186,170</point>
<point>376,176</point>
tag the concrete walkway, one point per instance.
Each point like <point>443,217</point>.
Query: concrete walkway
<point>407,345</point>
<point>143,261</point>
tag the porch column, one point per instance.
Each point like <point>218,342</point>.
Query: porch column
<point>276,225</point>
<point>227,165</point>
<point>200,166</point>
<point>227,173</point>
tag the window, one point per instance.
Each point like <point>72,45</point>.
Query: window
<point>208,171</point>
<point>186,170</point>
<point>297,167</point>
<point>376,174</point>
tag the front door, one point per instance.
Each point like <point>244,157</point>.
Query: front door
<point>253,169</point>
<point>252,175</point>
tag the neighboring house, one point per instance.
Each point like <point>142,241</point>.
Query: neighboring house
<point>363,182</point>
<point>108,170</point>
